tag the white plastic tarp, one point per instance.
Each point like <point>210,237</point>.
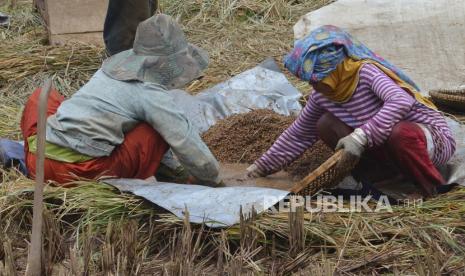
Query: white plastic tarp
<point>216,207</point>
<point>262,87</point>
<point>424,38</point>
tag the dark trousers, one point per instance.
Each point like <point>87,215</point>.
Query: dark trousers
<point>123,17</point>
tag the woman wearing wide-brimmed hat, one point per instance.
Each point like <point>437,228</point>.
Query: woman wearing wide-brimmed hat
<point>123,121</point>
<point>364,105</point>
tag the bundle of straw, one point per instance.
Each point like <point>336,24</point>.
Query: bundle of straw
<point>22,61</point>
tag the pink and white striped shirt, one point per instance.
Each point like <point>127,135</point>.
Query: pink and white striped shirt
<point>377,104</point>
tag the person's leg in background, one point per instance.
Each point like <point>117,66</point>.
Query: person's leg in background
<point>122,19</point>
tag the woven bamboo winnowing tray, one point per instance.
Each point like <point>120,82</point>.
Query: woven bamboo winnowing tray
<point>452,98</point>
<point>325,176</point>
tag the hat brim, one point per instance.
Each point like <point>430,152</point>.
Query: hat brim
<point>173,71</point>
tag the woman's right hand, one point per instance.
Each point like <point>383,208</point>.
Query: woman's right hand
<point>253,171</point>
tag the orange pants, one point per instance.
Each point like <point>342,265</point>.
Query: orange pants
<point>138,156</point>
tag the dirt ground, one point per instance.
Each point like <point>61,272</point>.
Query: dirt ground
<point>243,138</point>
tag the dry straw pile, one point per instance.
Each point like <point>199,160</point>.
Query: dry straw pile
<point>91,229</point>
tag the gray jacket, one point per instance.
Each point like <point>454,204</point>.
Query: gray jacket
<point>94,120</point>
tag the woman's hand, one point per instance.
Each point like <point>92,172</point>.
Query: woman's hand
<point>350,145</point>
<point>353,146</point>
<point>254,171</point>
<point>353,143</point>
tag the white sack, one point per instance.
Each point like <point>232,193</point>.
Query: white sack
<point>424,38</point>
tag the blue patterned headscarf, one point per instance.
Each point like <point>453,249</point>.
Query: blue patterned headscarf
<point>318,54</point>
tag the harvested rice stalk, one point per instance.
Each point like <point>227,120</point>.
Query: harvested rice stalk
<point>9,267</point>
<point>22,61</point>
<point>296,229</point>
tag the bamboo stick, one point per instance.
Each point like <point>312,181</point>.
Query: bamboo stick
<point>34,260</point>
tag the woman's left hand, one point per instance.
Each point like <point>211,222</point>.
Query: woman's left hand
<point>351,145</point>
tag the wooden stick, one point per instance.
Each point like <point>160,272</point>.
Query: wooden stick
<point>328,164</point>
<point>34,260</point>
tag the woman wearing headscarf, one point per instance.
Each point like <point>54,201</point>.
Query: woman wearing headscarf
<point>364,105</point>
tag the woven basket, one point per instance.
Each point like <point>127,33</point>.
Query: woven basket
<point>452,98</point>
<point>327,175</point>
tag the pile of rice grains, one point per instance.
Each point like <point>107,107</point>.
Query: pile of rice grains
<point>243,138</point>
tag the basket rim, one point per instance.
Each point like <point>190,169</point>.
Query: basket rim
<point>323,168</point>
<point>448,97</point>
<point>452,92</point>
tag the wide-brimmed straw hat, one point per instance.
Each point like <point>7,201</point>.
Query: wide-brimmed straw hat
<point>161,54</point>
